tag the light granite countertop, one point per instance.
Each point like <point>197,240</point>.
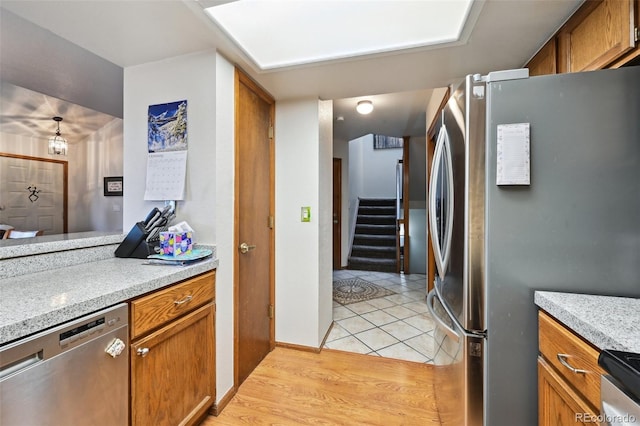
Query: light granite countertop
<point>607,322</point>
<point>53,243</point>
<point>37,301</point>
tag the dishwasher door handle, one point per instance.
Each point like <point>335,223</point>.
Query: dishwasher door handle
<point>22,364</point>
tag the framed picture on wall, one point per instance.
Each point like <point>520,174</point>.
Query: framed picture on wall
<point>113,186</point>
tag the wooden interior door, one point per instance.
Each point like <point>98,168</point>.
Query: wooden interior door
<point>254,226</point>
<point>44,206</point>
<point>337,213</point>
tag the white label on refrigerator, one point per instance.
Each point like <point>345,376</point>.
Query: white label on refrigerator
<point>514,154</point>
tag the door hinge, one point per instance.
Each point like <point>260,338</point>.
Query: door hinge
<point>635,30</point>
<point>270,132</point>
<point>271,312</point>
<point>270,222</point>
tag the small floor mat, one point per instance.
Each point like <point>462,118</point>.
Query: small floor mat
<point>354,290</point>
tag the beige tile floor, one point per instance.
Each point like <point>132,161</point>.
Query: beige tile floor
<point>397,326</point>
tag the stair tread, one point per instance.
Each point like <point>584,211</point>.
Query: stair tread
<point>372,260</point>
<point>374,243</point>
<point>377,200</point>
<point>373,248</point>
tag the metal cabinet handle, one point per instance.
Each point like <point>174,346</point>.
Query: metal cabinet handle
<point>142,352</point>
<point>563,360</point>
<point>183,301</point>
<point>244,247</point>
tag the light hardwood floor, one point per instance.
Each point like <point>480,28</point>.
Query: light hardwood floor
<point>292,387</point>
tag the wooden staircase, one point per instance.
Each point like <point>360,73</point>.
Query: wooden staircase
<point>374,241</point>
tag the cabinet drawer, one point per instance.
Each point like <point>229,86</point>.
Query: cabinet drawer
<point>152,311</point>
<point>566,351</point>
<point>558,402</point>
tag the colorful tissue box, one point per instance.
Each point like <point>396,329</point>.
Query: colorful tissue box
<point>176,243</point>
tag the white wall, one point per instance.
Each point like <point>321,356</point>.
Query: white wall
<point>37,59</point>
<point>372,172</point>
<point>224,225</point>
<point>89,161</point>
<point>437,96</point>
<point>325,219</point>
<point>302,276</point>
<point>418,172</point>
<point>101,155</point>
<point>191,77</point>
<point>418,205</point>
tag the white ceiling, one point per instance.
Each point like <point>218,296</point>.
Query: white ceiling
<point>28,113</point>
<point>131,32</point>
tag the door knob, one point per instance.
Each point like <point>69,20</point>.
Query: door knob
<point>244,247</point>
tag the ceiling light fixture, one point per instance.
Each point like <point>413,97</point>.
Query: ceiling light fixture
<point>364,107</point>
<point>57,144</point>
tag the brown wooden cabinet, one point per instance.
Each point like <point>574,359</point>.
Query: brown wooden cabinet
<point>173,353</point>
<point>558,403</point>
<point>568,376</point>
<point>600,34</point>
<point>545,60</point>
<point>597,34</point>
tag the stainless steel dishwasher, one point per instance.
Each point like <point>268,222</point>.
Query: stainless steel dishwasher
<point>73,374</point>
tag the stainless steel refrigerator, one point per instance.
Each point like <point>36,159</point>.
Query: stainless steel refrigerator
<point>535,185</point>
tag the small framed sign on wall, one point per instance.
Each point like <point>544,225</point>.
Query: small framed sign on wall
<point>113,186</point>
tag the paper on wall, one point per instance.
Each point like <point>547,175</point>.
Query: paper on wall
<point>166,175</point>
<point>513,154</point>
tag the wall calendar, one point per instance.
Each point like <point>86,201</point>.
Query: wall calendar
<point>167,151</point>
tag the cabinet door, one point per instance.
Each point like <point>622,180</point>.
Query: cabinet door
<point>173,371</point>
<point>545,60</point>
<point>597,34</point>
<point>558,404</point>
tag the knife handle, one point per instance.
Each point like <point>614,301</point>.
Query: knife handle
<point>151,215</point>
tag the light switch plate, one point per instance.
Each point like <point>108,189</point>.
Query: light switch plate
<point>305,214</point>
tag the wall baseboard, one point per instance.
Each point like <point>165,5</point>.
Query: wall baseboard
<point>298,347</point>
<point>217,408</point>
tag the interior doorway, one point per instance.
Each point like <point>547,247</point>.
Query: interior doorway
<point>254,234</point>
<point>337,213</point>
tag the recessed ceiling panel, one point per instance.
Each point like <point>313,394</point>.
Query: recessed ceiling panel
<point>283,33</point>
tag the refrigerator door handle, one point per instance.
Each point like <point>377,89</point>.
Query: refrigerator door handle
<point>441,238</point>
<point>450,331</point>
<point>461,330</point>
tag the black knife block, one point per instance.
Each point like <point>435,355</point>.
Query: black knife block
<point>135,244</point>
